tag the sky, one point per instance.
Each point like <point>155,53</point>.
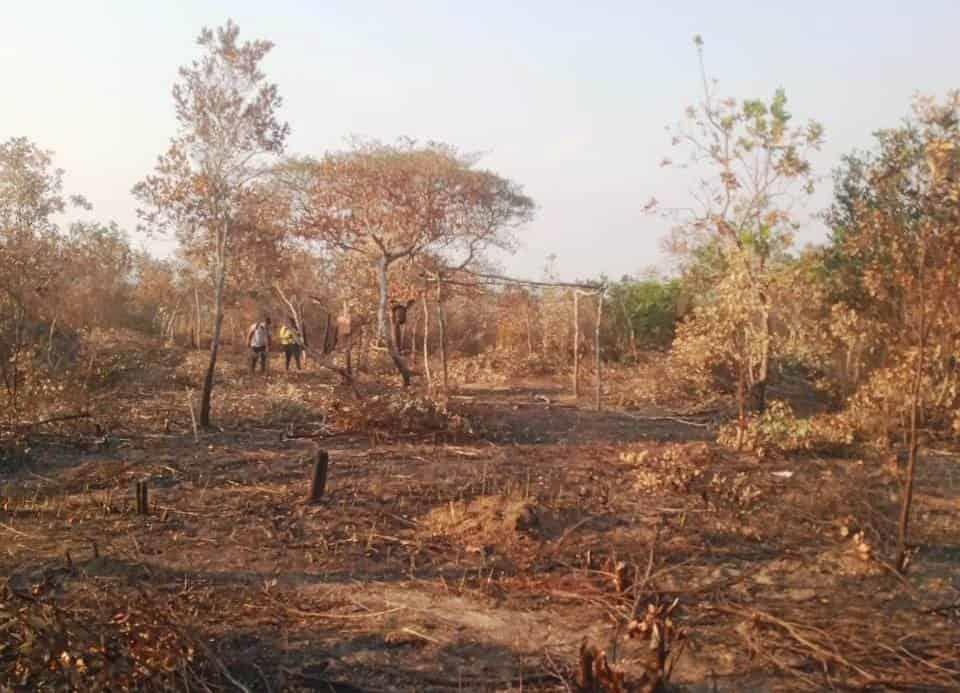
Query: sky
<point>569,99</point>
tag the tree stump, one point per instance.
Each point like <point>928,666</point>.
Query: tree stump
<point>596,675</point>
<point>319,483</point>
<point>143,503</point>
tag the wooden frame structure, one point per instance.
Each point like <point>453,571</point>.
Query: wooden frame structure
<point>483,279</point>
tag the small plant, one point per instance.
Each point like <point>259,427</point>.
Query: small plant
<point>286,403</point>
<point>778,430</point>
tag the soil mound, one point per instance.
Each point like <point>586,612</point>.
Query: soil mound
<point>487,520</point>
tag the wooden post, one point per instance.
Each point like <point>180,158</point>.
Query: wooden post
<point>576,344</point>
<point>441,325</point>
<point>347,353</point>
<point>143,502</point>
<point>529,330</point>
<point>426,340</point>
<point>319,483</point>
<point>596,347</point>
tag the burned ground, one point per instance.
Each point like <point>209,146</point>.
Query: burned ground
<point>474,557</point>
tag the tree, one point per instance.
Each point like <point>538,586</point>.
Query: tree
<point>154,293</point>
<point>99,275</point>
<point>644,312</point>
<point>754,162</point>
<point>859,321</point>
<point>390,203</point>
<point>31,194</point>
<point>228,137</point>
<point>904,242</point>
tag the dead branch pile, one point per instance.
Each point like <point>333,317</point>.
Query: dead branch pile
<point>94,641</point>
<point>859,649</point>
<point>400,413</point>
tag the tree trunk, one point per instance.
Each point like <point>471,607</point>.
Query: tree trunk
<point>347,355</point>
<point>294,313</point>
<point>907,499</point>
<point>166,329</point>
<point>215,341</point>
<point>426,340</point>
<point>946,389</point>
<point>302,324</point>
<point>10,379</point>
<point>760,386</point>
<point>397,332</point>
<point>576,344</point>
<point>596,355</point>
<point>363,350</point>
<point>383,319</point>
<point>18,343</point>
<point>545,335</point>
<point>197,323</point>
<point>53,332</point>
<point>325,336</point>
<point>741,407</point>
<point>848,369</point>
<point>413,339</point>
<point>631,332</point>
<point>442,328</point>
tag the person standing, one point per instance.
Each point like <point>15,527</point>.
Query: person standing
<point>290,341</point>
<point>258,339</point>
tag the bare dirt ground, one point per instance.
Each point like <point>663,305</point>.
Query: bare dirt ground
<point>440,562</point>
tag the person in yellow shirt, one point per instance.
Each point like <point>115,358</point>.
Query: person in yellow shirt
<point>290,341</point>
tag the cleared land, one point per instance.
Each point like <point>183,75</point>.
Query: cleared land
<point>472,551</point>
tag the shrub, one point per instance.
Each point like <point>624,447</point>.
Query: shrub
<point>402,412</point>
<point>286,403</point>
<point>778,429</point>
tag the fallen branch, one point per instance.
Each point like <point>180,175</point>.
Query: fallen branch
<point>675,419</point>
<point>18,532</point>
<point>58,419</point>
<point>193,416</point>
<point>345,377</point>
<point>417,634</point>
<point>873,653</point>
<point>345,617</point>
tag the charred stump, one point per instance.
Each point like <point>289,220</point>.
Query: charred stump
<point>318,483</point>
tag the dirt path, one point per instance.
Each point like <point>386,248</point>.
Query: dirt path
<point>543,411</point>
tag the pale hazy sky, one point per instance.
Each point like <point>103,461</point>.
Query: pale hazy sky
<point>568,98</point>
